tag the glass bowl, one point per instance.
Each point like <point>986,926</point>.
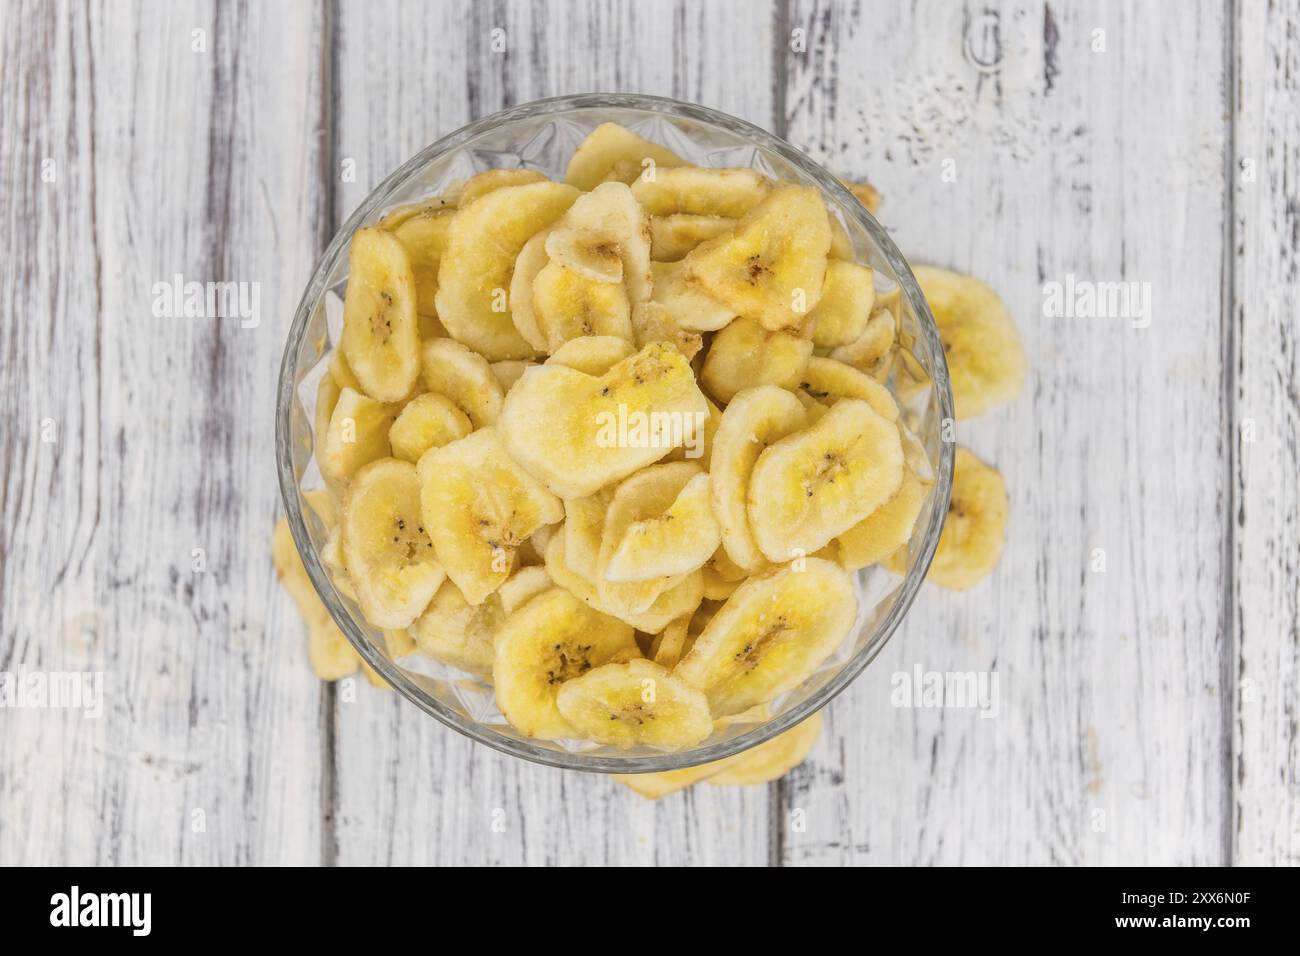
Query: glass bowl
<point>541,136</point>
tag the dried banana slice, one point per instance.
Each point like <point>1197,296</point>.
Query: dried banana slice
<point>425,207</point>
<point>612,152</point>
<point>728,193</point>
<point>866,194</point>
<point>584,525</point>
<point>681,599</point>
<point>605,237</point>
<point>886,529</point>
<point>381,340</point>
<point>971,542</point>
<point>772,265</point>
<point>551,639</point>
<point>986,362</point>
<point>325,504</point>
<point>670,644</point>
<point>755,419</point>
<point>428,421</point>
<point>717,586</point>
<point>452,370</point>
<point>458,633</point>
<point>842,312</point>
<point>700,449</point>
<point>771,635</point>
<point>652,786</point>
<point>389,557</point>
<point>508,372</point>
<point>817,483</point>
<point>578,432</point>
<point>332,657</point>
<point>745,355</point>
<point>663,527</point>
<point>654,322</point>
<point>483,242</point>
<point>424,235</point>
<point>812,407</point>
<point>689,306</point>
<point>531,260</point>
<point>828,381</point>
<point>772,759</point>
<point>327,397</point>
<point>877,338</point>
<point>566,305</point>
<point>490,180</point>
<point>398,643</point>
<point>644,494</point>
<point>480,507</point>
<point>341,372</point>
<point>592,354</point>
<point>635,703</point>
<point>357,434</point>
<point>674,235</point>
<point>522,586</point>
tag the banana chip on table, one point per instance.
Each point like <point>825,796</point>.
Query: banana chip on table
<point>331,656</point>
<point>971,542</point>
<point>986,362</point>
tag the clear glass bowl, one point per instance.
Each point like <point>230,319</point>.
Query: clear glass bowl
<point>542,136</point>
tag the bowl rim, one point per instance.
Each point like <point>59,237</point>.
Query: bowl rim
<point>394,675</point>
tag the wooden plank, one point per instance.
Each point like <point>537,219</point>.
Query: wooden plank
<point>1264,437</point>
<point>175,141</point>
<point>1106,164</point>
<point>410,790</point>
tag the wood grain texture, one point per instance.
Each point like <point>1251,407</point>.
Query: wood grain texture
<point>1264,436</point>
<point>410,790</point>
<point>1109,743</point>
<point>165,160</point>
<point>1147,713</point>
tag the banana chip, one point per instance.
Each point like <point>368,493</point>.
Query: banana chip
<point>971,542</point>
<point>331,656</point>
<point>986,362</point>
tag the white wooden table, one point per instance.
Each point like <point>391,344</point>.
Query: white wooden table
<point>1148,712</point>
